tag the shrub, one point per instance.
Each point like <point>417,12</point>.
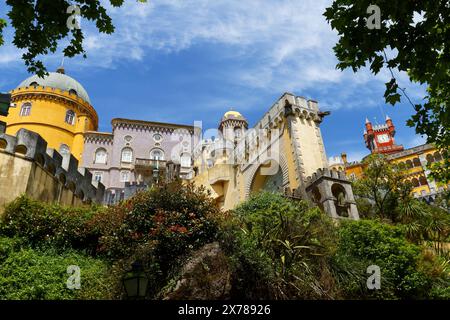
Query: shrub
<point>159,226</point>
<point>174,217</point>
<point>42,274</point>
<point>295,240</point>
<point>403,275</point>
<point>41,224</point>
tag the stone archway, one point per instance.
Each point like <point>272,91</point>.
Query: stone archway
<point>255,180</point>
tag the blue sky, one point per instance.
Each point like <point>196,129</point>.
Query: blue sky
<point>185,60</point>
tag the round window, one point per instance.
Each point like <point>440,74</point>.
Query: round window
<point>128,138</point>
<point>157,137</point>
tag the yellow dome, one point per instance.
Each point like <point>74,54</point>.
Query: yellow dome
<point>233,114</point>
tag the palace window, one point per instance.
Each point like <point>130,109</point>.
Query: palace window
<point>100,156</point>
<point>64,150</point>
<point>127,155</point>
<point>157,137</point>
<point>416,162</point>
<point>423,181</point>
<point>70,117</point>
<point>185,160</point>
<point>237,133</point>
<point>157,154</point>
<point>25,110</point>
<point>437,156</point>
<point>98,176</point>
<point>125,176</point>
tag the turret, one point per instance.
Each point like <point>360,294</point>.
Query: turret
<point>390,125</point>
<point>369,127</point>
<point>344,158</point>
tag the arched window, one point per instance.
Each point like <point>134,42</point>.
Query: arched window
<point>430,159</point>
<point>64,150</point>
<point>127,155</point>
<point>409,164</point>
<point>25,110</point>
<point>416,162</point>
<point>34,84</point>
<point>437,156</point>
<point>125,176</point>
<point>185,160</point>
<point>157,154</point>
<point>70,117</point>
<point>401,165</point>
<point>237,133</point>
<point>72,91</point>
<point>423,181</point>
<point>415,182</point>
<point>100,156</point>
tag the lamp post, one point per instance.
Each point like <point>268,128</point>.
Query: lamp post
<point>135,282</point>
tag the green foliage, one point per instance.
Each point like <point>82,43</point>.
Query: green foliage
<point>403,273</point>
<point>294,239</point>
<point>383,185</point>
<point>41,25</point>
<point>176,217</point>
<point>422,54</point>
<point>160,227</point>
<point>27,273</point>
<point>41,224</point>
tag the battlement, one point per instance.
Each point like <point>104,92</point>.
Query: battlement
<point>327,173</point>
<point>31,147</point>
<point>302,107</point>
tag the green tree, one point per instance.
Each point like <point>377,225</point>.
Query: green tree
<point>406,272</point>
<point>383,185</point>
<point>418,46</point>
<point>40,26</point>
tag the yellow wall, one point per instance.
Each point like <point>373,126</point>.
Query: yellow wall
<point>28,177</point>
<point>47,117</point>
<point>409,173</point>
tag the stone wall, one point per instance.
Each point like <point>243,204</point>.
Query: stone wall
<point>28,167</point>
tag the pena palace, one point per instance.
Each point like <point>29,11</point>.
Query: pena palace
<point>414,162</point>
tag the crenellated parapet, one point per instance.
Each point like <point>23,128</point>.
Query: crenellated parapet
<point>64,170</point>
<point>332,192</point>
<point>327,173</point>
<point>140,125</point>
<point>105,138</point>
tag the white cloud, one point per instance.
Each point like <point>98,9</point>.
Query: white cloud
<point>281,45</point>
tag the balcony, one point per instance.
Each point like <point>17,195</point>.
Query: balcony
<point>141,163</point>
<point>220,173</point>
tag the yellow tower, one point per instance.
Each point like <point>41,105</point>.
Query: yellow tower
<point>57,107</point>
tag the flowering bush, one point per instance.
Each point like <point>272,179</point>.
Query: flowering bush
<point>178,217</point>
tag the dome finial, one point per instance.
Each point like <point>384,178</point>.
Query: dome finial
<point>61,67</point>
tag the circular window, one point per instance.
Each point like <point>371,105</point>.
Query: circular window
<point>157,137</point>
<point>128,138</point>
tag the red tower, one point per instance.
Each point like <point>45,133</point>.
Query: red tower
<point>380,138</point>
